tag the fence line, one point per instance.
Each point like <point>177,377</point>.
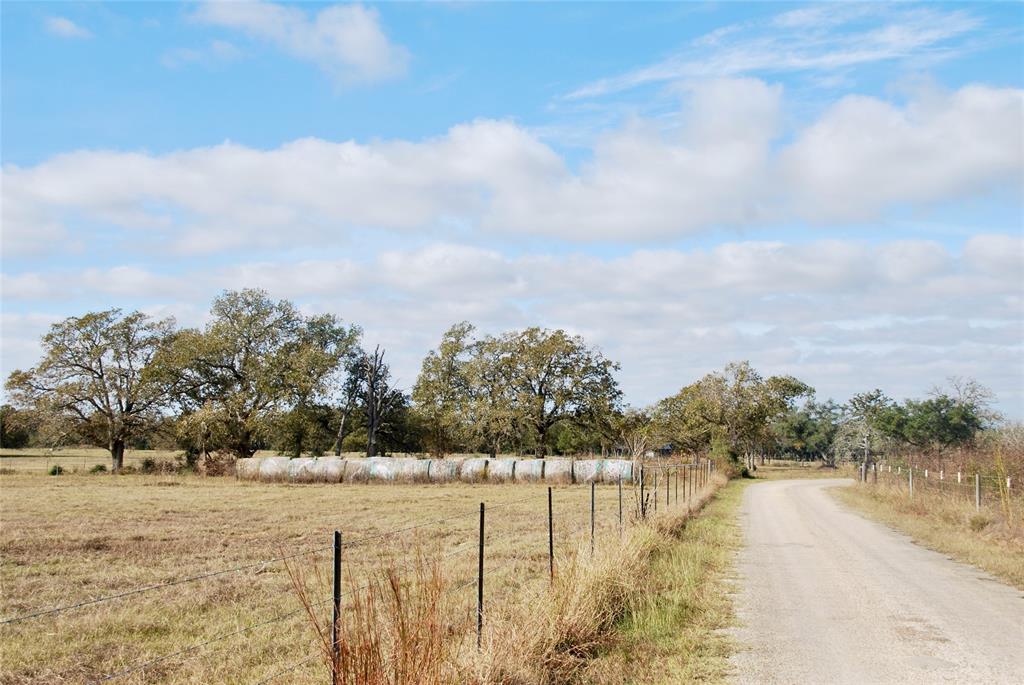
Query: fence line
<point>920,480</point>
<point>695,474</point>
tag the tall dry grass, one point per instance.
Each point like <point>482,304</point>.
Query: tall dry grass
<point>400,627</point>
<point>410,627</point>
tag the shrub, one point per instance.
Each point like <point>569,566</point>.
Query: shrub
<point>979,522</point>
<point>98,468</point>
<point>56,470</point>
<point>148,465</point>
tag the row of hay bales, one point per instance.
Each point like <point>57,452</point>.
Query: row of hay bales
<point>407,470</point>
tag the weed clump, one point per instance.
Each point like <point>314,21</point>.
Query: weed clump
<point>979,522</point>
<point>98,468</point>
<point>56,470</point>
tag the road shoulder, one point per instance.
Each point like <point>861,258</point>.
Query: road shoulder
<point>948,532</point>
<point>677,634</point>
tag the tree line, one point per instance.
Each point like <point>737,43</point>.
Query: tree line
<point>262,375</point>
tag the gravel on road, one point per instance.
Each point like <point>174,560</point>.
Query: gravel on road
<point>825,595</point>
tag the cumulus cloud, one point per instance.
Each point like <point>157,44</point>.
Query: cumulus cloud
<point>842,314</point>
<point>864,154</point>
<point>65,28</point>
<point>345,41</point>
<point>726,165</point>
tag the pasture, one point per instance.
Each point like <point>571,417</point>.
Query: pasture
<point>78,537</point>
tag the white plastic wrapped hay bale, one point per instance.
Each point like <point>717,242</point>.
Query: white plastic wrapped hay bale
<point>444,470</point>
<point>300,470</point>
<point>274,469</point>
<point>356,471</point>
<point>501,471</point>
<point>614,469</point>
<point>248,469</point>
<point>408,470</point>
<point>328,470</point>
<point>529,470</point>
<point>587,470</point>
<point>473,470</point>
<point>398,469</point>
<point>558,471</point>
<point>382,468</point>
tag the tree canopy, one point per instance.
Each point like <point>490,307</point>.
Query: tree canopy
<point>96,382</point>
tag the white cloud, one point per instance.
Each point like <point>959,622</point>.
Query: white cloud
<point>816,39</point>
<point>844,315</point>
<point>725,165</point>
<point>65,28</point>
<point>216,52</point>
<point>345,41</point>
<point>865,154</point>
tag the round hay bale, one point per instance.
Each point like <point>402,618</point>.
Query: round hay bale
<point>328,469</point>
<point>411,470</point>
<point>444,470</point>
<point>473,470</point>
<point>405,469</point>
<point>558,471</point>
<point>529,470</point>
<point>248,469</point>
<point>300,470</point>
<point>501,471</point>
<point>381,468</point>
<point>274,469</point>
<point>587,470</point>
<point>356,471</point>
<point>614,469</point>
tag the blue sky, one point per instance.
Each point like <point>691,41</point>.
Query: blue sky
<point>832,191</point>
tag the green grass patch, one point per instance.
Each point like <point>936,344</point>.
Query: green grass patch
<point>674,632</point>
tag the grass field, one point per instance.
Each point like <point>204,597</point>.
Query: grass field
<point>72,460</point>
<point>77,537</point>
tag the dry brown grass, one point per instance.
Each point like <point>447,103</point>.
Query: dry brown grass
<point>942,515</point>
<point>78,537</point>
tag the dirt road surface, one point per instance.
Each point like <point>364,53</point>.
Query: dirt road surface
<point>827,596</point>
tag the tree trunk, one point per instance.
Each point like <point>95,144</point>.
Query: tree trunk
<point>117,454</point>
<point>371,443</point>
<point>341,431</point>
<point>371,438</point>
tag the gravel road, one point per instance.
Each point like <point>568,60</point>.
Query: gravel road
<point>827,596</point>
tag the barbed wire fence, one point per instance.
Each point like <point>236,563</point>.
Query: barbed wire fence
<point>604,519</point>
<point>986,492</point>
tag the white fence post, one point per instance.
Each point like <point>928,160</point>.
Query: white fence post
<point>958,478</point>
